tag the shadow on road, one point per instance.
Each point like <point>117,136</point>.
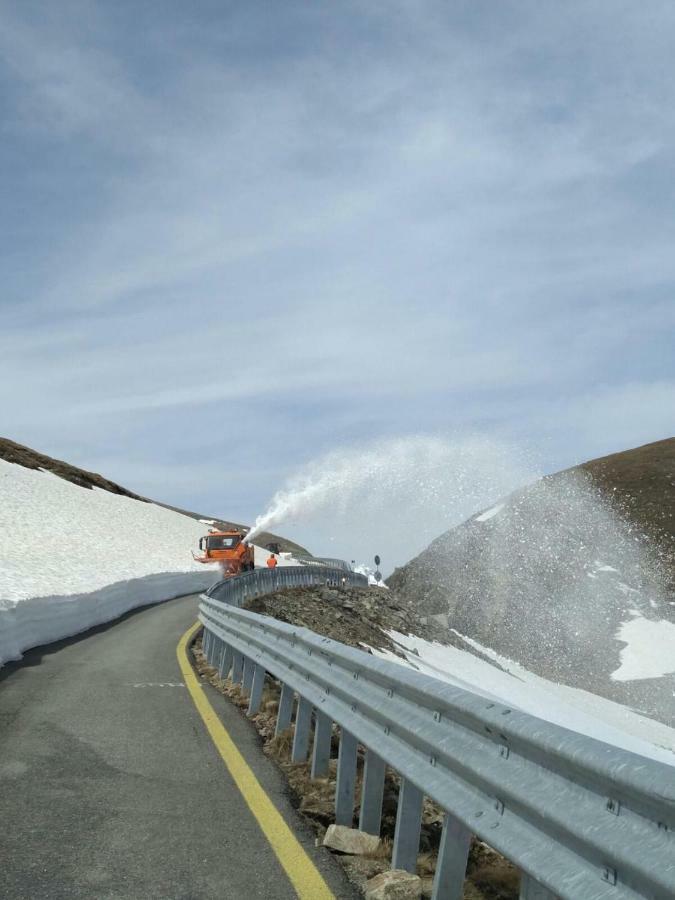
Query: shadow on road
<point>35,655</point>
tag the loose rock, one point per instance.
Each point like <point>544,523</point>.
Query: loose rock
<point>360,617</point>
<point>394,885</point>
<point>351,840</point>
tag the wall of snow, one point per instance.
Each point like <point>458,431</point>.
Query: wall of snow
<point>40,620</point>
<point>72,558</point>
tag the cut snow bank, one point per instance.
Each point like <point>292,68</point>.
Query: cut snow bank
<point>568,707</point>
<point>40,620</point>
<point>72,558</point>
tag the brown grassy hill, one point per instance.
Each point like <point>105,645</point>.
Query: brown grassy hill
<point>32,459</point>
<point>640,484</point>
<point>548,577</point>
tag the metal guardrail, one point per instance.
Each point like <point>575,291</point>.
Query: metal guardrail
<point>324,561</point>
<point>581,819</point>
<point>245,587</point>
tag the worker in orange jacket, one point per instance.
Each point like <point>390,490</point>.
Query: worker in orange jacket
<point>272,561</point>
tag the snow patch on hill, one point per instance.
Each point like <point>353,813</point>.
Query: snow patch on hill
<point>510,683</point>
<point>649,650</point>
<point>490,513</point>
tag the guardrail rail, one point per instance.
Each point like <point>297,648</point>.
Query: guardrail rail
<point>582,820</point>
<point>265,581</point>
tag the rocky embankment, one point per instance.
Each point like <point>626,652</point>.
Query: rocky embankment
<point>359,617</point>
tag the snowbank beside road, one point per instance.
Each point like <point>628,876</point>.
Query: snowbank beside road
<point>571,708</point>
<point>40,620</point>
<point>72,557</point>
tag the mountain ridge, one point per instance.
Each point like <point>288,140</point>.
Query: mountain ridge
<point>25,456</point>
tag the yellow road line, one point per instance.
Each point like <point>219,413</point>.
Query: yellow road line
<point>303,874</point>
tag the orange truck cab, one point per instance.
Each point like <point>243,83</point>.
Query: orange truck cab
<point>229,550</point>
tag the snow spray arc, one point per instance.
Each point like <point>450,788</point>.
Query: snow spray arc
<point>401,491</point>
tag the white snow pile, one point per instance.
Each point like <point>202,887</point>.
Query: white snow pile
<point>72,557</point>
<point>571,708</point>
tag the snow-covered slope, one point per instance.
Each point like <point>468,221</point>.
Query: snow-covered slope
<point>508,682</point>
<point>73,557</point>
<point>59,538</point>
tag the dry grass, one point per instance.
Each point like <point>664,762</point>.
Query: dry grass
<point>280,746</point>
<point>384,851</point>
<point>426,864</point>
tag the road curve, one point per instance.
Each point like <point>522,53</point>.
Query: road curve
<point>110,786</point>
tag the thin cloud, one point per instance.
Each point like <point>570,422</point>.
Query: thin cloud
<point>259,223</point>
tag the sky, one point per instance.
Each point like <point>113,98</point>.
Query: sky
<point>236,236</point>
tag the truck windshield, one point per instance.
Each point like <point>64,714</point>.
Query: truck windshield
<point>222,542</point>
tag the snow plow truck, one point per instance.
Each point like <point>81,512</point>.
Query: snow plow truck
<point>229,550</point>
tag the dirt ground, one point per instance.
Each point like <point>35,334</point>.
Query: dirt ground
<point>489,876</point>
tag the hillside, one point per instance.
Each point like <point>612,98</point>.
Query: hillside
<point>571,577</point>
<point>20,455</point>
<point>24,456</point>
<point>640,484</point>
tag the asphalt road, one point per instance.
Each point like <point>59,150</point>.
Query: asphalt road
<point>110,786</point>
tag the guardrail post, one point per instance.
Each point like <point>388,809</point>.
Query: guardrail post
<point>323,729</point>
<point>247,679</point>
<point>303,719</point>
<point>205,643</point>
<point>532,890</point>
<point>256,689</point>
<point>226,663</point>
<point>453,855</point>
<point>370,819</point>
<point>346,780</point>
<point>285,713</point>
<point>237,668</point>
<point>219,648</point>
<point>408,826</point>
